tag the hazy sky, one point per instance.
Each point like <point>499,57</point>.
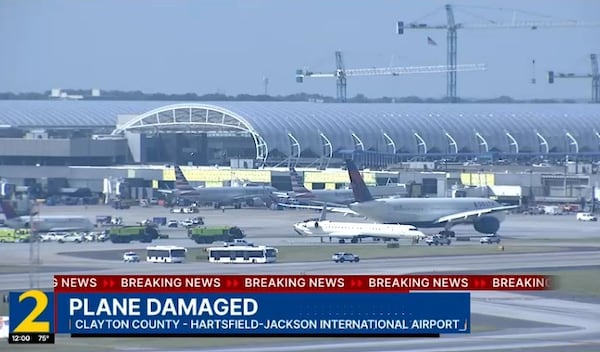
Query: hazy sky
<point>228,46</point>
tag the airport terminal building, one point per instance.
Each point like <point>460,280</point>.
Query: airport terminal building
<point>136,139</point>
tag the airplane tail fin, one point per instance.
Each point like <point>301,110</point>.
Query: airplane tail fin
<point>8,210</point>
<point>181,183</point>
<point>297,186</point>
<point>359,188</point>
<point>323,215</point>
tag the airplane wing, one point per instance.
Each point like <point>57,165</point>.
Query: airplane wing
<point>342,210</point>
<point>345,235</point>
<point>467,215</point>
<point>335,205</point>
<point>64,229</point>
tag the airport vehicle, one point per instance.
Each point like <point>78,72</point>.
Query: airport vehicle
<point>239,242</point>
<point>185,210</point>
<point>212,234</point>
<point>220,196</point>
<point>437,240</point>
<point>131,257</point>
<point>490,239</point>
<point>71,237</point>
<point>45,223</point>
<point>242,254</point>
<point>166,254</point>
<point>341,257</point>
<point>51,236</point>
<point>126,234</point>
<point>172,223</point>
<point>8,235</point>
<point>484,214</point>
<point>354,231</point>
<point>159,220</point>
<point>586,217</point>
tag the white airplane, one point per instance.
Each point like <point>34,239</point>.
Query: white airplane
<point>46,223</point>
<point>354,231</point>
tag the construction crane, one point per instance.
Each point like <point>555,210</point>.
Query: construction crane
<point>341,73</point>
<point>451,37</point>
<point>595,76</point>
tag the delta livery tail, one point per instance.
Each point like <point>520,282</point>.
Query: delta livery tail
<point>359,188</point>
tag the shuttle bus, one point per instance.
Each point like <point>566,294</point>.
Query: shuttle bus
<point>242,254</point>
<point>166,254</point>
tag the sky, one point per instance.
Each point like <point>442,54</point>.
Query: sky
<point>230,46</point>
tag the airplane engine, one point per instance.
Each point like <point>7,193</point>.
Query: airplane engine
<point>487,225</point>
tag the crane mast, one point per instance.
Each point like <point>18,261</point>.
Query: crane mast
<point>451,57</point>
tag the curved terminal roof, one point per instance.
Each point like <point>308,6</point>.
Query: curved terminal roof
<point>400,128</point>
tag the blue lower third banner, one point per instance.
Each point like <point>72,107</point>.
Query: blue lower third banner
<point>274,314</point>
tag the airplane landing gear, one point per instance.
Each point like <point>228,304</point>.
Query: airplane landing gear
<point>447,233</point>
<point>341,241</point>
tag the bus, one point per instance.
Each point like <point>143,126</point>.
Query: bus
<point>242,254</point>
<point>166,254</point>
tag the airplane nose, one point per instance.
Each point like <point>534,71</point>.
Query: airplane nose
<point>298,230</point>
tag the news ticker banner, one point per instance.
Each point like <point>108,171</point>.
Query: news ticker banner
<point>298,283</point>
<point>254,305</point>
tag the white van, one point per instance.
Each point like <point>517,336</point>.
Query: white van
<point>586,217</point>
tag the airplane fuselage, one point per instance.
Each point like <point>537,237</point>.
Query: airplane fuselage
<point>354,229</point>
<point>52,223</point>
<point>422,212</point>
<point>345,196</point>
<point>228,195</point>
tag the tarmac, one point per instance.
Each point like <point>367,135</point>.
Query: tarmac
<point>545,323</point>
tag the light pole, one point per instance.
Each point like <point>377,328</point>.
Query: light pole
<point>531,187</point>
<point>34,245</point>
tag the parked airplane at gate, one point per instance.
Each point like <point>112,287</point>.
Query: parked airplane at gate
<point>220,195</point>
<point>484,214</point>
<point>354,231</point>
<point>45,223</point>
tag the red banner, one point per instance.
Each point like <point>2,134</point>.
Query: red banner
<point>298,283</point>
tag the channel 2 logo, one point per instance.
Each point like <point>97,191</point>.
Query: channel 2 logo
<point>31,318</point>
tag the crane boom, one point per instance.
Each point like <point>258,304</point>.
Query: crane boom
<point>519,24</point>
<point>341,72</point>
<point>391,71</point>
<point>594,75</point>
<point>396,71</point>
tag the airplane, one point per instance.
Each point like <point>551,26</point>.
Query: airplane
<point>220,196</point>
<point>354,231</point>
<point>484,214</point>
<point>45,223</point>
<point>335,196</point>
